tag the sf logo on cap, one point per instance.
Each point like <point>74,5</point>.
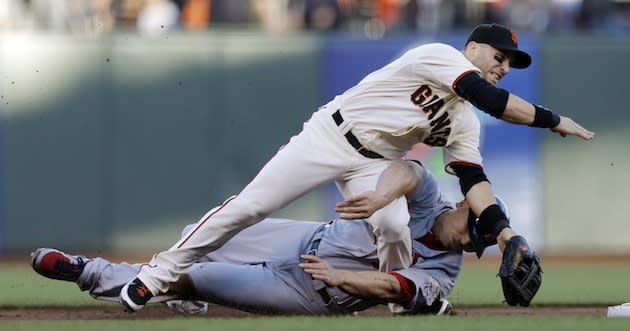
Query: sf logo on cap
<point>514,37</point>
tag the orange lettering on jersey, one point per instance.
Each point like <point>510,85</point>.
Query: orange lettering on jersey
<point>421,99</point>
<point>431,104</point>
<point>440,123</point>
<point>420,95</point>
<point>434,107</point>
<point>440,130</point>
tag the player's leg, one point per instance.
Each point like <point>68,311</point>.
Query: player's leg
<point>254,288</point>
<point>55,264</point>
<point>389,223</point>
<point>305,163</point>
<point>393,235</point>
<point>100,277</point>
<point>271,240</point>
<point>104,279</point>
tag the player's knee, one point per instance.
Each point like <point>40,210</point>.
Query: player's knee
<point>246,211</point>
<point>187,229</point>
<point>392,232</point>
<point>256,212</point>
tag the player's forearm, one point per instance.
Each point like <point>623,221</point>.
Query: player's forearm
<point>397,180</point>
<point>480,196</point>
<point>371,285</point>
<point>362,284</point>
<point>518,111</point>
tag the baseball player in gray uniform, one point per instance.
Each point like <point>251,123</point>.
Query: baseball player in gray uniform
<point>263,270</point>
<point>424,96</point>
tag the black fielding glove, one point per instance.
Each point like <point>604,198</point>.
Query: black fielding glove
<point>520,272</point>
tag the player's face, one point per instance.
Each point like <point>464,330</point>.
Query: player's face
<point>460,238</point>
<point>493,63</point>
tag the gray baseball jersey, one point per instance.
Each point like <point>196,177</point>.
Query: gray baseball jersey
<point>350,140</point>
<point>258,269</point>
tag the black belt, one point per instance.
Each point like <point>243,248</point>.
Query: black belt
<point>352,139</point>
<point>325,296</point>
<point>312,250</point>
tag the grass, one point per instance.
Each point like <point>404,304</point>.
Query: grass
<point>499,323</point>
<point>563,284</point>
<point>25,288</point>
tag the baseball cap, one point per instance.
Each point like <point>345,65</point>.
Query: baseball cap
<point>479,242</point>
<point>501,38</point>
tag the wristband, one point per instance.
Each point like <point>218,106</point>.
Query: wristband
<point>492,220</point>
<point>545,118</point>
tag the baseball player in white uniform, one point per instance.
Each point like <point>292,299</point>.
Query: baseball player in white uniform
<point>425,97</point>
<point>262,269</point>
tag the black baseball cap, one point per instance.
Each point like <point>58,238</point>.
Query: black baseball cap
<point>478,241</point>
<point>501,38</point>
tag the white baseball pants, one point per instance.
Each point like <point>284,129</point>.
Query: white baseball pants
<point>318,155</point>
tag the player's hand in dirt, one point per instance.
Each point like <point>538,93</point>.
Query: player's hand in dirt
<point>322,270</point>
<point>568,127</point>
<point>362,205</point>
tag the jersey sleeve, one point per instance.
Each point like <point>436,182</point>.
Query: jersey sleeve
<point>426,193</point>
<point>463,145</point>
<point>426,199</point>
<point>446,64</point>
<point>433,278</point>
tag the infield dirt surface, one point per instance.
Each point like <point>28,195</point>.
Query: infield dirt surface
<point>214,311</point>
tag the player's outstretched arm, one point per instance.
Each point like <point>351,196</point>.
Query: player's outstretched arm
<point>363,284</point>
<point>568,127</point>
<point>511,108</point>
<point>519,111</point>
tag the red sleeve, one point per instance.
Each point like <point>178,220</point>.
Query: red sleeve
<point>407,288</point>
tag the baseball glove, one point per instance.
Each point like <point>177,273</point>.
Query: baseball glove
<point>520,272</point>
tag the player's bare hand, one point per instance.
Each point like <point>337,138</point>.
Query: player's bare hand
<point>322,270</point>
<point>361,206</point>
<point>568,127</point>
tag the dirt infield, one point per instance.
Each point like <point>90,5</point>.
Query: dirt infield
<point>114,312</point>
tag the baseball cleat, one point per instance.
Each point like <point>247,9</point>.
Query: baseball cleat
<point>52,263</point>
<point>441,307</point>
<point>438,307</point>
<point>134,295</point>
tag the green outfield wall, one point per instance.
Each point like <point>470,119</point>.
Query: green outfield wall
<point>122,141</point>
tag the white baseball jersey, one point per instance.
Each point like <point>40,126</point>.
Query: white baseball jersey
<point>350,140</point>
<point>411,100</point>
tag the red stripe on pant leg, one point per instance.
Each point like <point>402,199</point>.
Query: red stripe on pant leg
<point>204,221</point>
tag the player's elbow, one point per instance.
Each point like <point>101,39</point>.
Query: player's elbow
<point>402,289</point>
